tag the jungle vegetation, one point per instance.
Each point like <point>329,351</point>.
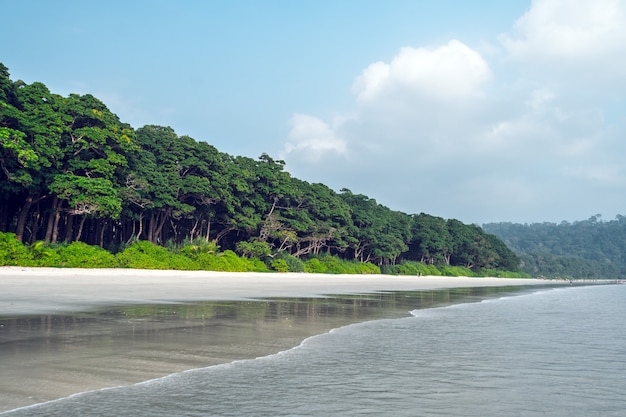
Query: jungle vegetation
<point>591,248</point>
<point>75,179</point>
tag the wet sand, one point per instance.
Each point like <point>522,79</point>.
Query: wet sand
<point>64,331</point>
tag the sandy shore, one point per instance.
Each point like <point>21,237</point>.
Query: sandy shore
<point>50,290</point>
<point>64,331</point>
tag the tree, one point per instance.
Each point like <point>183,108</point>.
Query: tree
<point>377,233</point>
<point>30,146</point>
<point>431,240</point>
<point>71,170</point>
<point>94,145</point>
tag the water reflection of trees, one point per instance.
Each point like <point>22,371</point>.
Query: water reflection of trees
<point>207,317</point>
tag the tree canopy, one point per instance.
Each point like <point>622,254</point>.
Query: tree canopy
<point>589,248</point>
<point>71,171</point>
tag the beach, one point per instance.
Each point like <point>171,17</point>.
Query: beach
<point>66,331</point>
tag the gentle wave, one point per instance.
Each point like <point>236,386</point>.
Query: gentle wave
<point>382,364</point>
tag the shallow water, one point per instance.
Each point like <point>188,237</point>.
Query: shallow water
<point>44,357</point>
<point>553,352</point>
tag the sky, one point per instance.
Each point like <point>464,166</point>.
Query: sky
<point>482,111</point>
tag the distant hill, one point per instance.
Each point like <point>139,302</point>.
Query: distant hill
<point>583,249</point>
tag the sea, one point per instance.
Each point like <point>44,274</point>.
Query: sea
<point>544,352</point>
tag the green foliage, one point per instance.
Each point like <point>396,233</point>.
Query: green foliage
<point>81,255</point>
<point>455,271</point>
<point>254,249</point>
<point>501,274</point>
<point>314,266</point>
<point>146,255</point>
<point>72,171</point>
<point>327,264</point>
<point>293,264</point>
<point>363,268</point>
<point>229,261</point>
<point>584,249</point>
<point>13,252</point>
<point>280,265</point>
<point>45,254</point>
<point>197,248</point>
<point>412,268</point>
<point>88,196</point>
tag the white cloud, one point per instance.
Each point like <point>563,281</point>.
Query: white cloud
<point>312,139</point>
<point>450,71</point>
<point>439,130</point>
<point>573,35</point>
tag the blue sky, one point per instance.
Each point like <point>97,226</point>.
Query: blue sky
<point>481,111</point>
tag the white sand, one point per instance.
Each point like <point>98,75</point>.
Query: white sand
<point>50,290</point>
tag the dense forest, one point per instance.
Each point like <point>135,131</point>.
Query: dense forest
<point>71,171</point>
<point>583,249</point>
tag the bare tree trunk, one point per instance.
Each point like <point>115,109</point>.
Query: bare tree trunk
<point>69,228</point>
<point>80,227</point>
<point>151,227</point>
<point>163,215</point>
<point>52,216</point>
<point>132,233</point>
<point>140,231</point>
<point>4,216</point>
<point>55,227</point>
<point>21,218</point>
<point>223,233</point>
<point>36,224</point>
<point>102,229</point>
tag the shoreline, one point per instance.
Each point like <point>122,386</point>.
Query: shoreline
<point>28,290</point>
<point>66,331</point>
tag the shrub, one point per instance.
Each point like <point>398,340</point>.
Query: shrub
<point>45,254</point>
<point>314,266</point>
<point>368,268</point>
<point>230,262</point>
<point>280,265</point>
<point>455,271</point>
<point>196,248</point>
<point>294,264</point>
<point>411,268</point>
<point>13,252</point>
<point>146,255</point>
<point>327,264</point>
<point>82,255</point>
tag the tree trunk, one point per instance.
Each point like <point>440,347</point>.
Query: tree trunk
<point>208,229</point>
<point>140,231</point>
<point>21,218</point>
<point>102,230</point>
<point>80,227</point>
<point>51,219</point>
<point>163,215</point>
<point>55,228</point>
<point>35,225</point>
<point>192,232</point>
<point>69,228</point>
<point>4,216</point>
<point>151,227</point>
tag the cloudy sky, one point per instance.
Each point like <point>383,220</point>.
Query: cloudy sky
<point>481,111</point>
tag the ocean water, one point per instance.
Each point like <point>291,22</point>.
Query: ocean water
<point>552,352</point>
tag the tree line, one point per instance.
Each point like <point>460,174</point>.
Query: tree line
<point>590,248</point>
<point>71,171</point>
